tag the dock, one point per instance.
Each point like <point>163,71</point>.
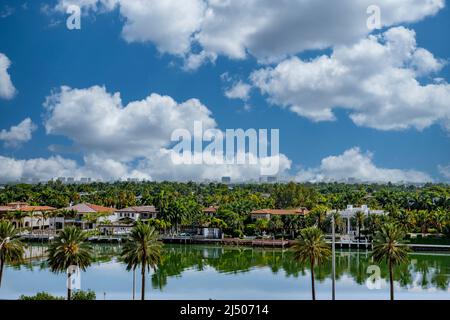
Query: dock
<point>269,243</point>
<point>228,241</point>
<point>106,239</point>
<point>369,246</point>
<point>31,237</point>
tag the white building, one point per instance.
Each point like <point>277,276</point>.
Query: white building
<point>77,215</point>
<point>350,212</point>
<point>136,213</point>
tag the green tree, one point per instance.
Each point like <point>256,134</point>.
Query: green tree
<point>275,224</point>
<point>319,214</point>
<point>45,296</point>
<point>359,218</point>
<point>423,220</point>
<point>69,249</point>
<point>42,296</point>
<point>311,247</point>
<point>142,249</point>
<point>234,222</point>
<point>158,224</point>
<point>84,295</point>
<point>11,248</point>
<point>388,247</point>
<point>262,225</point>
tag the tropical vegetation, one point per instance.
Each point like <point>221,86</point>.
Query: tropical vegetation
<point>11,248</point>
<point>417,209</point>
<point>143,250</point>
<point>388,248</point>
<point>77,295</point>
<point>312,248</point>
<point>69,250</point>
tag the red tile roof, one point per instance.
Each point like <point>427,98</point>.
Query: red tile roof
<point>89,208</point>
<point>100,208</point>
<point>25,208</point>
<point>36,208</point>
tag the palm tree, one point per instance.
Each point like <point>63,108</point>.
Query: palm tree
<point>311,246</point>
<point>45,217</point>
<point>262,225</point>
<point>142,249</point>
<point>359,217</point>
<point>69,249</point>
<point>21,215</point>
<point>11,248</point>
<point>423,219</point>
<point>387,247</point>
<point>439,218</point>
<point>275,224</point>
<point>320,214</point>
<point>339,223</point>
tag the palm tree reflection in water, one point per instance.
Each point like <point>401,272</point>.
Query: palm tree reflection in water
<point>424,271</point>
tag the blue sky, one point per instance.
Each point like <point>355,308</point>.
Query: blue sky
<point>44,55</point>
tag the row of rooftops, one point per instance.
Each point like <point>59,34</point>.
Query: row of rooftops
<point>84,208</point>
<point>24,207</point>
<point>80,208</point>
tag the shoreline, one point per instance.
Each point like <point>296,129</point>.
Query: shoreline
<point>260,243</point>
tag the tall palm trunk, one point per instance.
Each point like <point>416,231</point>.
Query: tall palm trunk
<point>313,287</point>
<point>1,270</point>
<point>69,286</point>
<point>143,282</point>
<point>391,280</point>
<point>134,283</point>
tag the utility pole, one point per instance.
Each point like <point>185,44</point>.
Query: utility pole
<point>333,262</point>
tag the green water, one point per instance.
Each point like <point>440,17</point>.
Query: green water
<point>214,272</point>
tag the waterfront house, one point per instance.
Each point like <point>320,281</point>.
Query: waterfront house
<point>122,221</point>
<point>269,213</point>
<point>31,215</point>
<point>210,211</point>
<point>350,213</point>
<point>136,213</point>
<point>78,215</point>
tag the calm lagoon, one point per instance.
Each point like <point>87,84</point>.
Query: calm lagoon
<point>213,272</point>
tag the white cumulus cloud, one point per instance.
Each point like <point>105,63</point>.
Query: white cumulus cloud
<point>376,79</point>
<point>98,123</point>
<point>162,168</point>
<point>45,169</point>
<point>7,89</point>
<point>266,29</point>
<point>39,168</point>
<point>158,166</point>
<point>16,135</point>
<point>126,141</point>
<point>358,166</point>
<point>239,90</point>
